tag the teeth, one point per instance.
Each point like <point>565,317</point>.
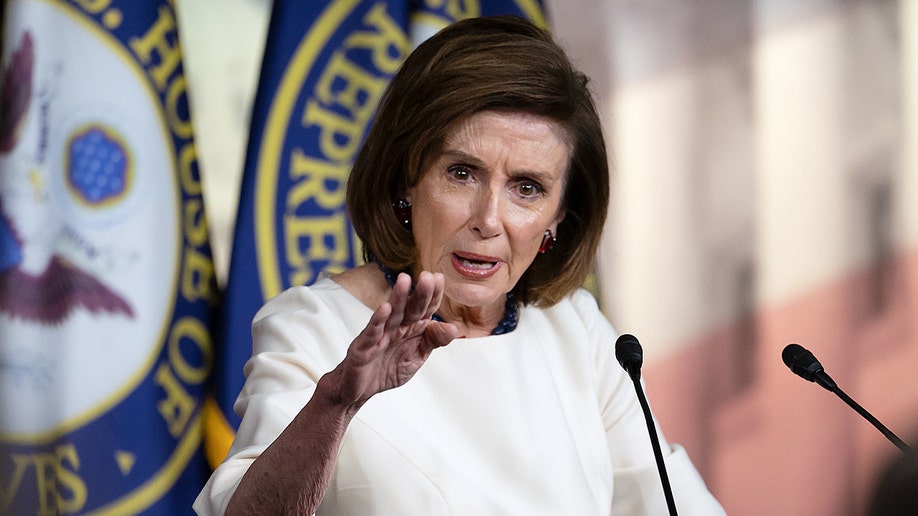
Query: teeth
<point>476,265</point>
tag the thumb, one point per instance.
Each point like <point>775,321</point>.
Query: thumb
<point>440,334</point>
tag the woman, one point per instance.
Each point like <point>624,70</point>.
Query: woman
<point>480,196</point>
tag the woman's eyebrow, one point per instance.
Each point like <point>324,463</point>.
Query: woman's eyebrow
<point>468,159</point>
<point>465,157</point>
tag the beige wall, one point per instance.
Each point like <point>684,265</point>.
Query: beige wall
<point>222,42</point>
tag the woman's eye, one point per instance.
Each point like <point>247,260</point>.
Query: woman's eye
<point>460,173</point>
<point>528,189</point>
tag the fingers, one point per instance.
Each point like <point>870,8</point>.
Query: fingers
<point>428,293</point>
<point>372,335</point>
<point>398,298</point>
<point>398,338</point>
<point>410,307</point>
<point>439,286</point>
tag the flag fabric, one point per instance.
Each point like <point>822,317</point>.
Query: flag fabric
<point>325,66</point>
<point>106,280</point>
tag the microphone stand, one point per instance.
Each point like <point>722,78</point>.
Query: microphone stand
<point>869,417</point>
<point>655,442</point>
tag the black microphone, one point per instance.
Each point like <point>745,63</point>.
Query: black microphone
<point>804,364</point>
<point>630,355</point>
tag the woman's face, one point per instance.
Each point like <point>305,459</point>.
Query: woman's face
<point>483,204</point>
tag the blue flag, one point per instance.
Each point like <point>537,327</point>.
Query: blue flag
<point>325,67</point>
<point>106,281</point>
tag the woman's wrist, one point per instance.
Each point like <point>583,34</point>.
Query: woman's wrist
<point>329,394</point>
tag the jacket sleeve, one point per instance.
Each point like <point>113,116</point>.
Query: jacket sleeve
<point>281,377</point>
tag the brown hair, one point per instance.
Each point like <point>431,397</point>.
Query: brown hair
<point>479,64</point>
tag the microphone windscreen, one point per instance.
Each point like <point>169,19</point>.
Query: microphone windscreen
<point>628,352</point>
<point>801,361</point>
<point>790,353</point>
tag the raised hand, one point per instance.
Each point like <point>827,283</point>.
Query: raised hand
<point>395,343</point>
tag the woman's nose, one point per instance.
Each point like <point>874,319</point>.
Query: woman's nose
<point>486,214</point>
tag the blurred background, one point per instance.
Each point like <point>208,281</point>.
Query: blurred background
<point>765,191</point>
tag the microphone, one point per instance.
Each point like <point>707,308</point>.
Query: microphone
<point>805,365</point>
<point>630,355</point>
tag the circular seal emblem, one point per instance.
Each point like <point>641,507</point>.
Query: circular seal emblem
<point>90,170</point>
<point>94,234</point>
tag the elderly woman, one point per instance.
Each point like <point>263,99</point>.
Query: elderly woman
<point>480,196</point>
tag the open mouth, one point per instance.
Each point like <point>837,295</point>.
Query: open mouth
<point>474,264</point>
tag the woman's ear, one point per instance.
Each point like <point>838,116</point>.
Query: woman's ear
<point>554,225</point>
